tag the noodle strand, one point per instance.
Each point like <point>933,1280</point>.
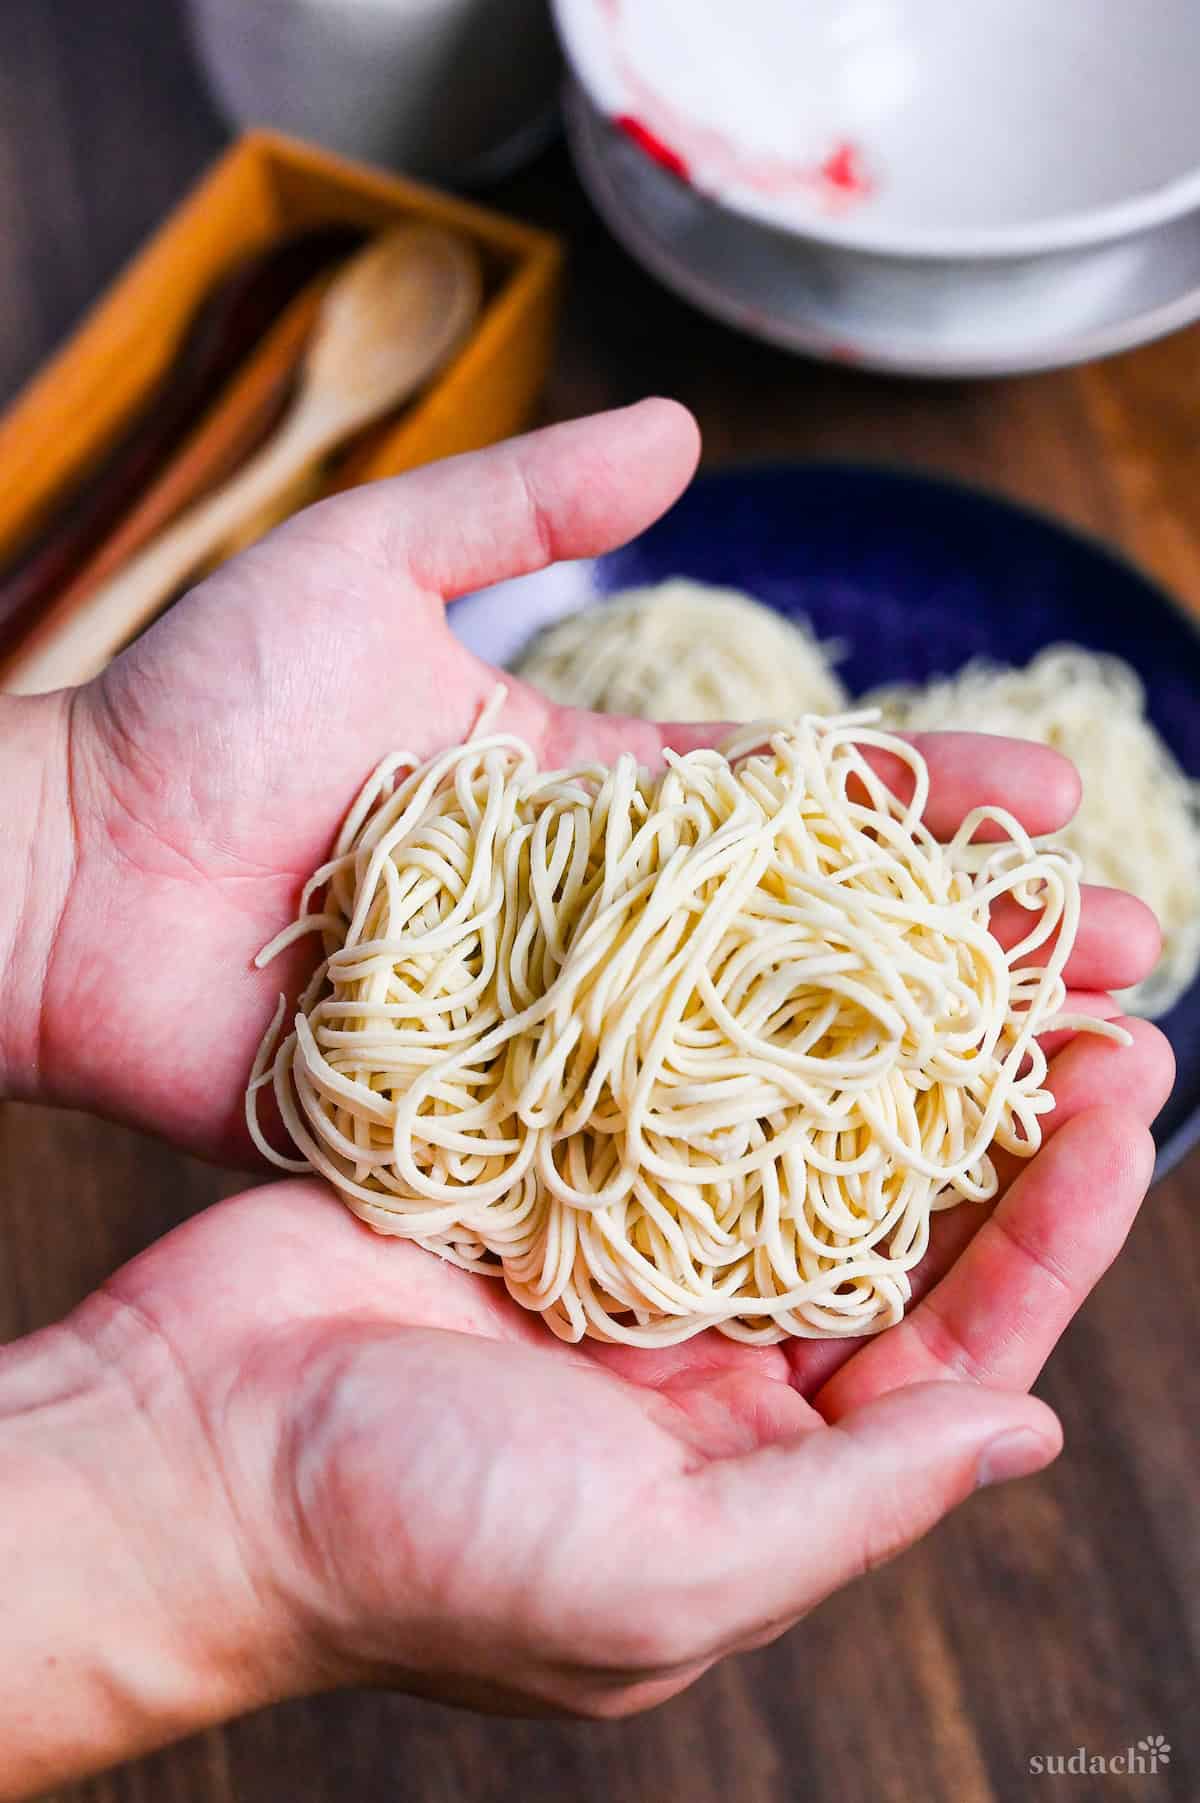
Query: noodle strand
<point>706,1049</point>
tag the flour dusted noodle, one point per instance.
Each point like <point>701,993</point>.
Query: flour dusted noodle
<point>703,1049</point>
<point>683,650</point>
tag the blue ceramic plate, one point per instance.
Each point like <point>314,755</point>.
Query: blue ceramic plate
<point>914,576</point>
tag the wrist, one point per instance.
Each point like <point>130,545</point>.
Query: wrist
<point>36,863</point>
<point>135,1608</point>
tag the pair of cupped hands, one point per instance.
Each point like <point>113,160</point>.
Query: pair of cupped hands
<point>330,1456</point>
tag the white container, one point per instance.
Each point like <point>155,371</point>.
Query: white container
<point>985,316</point>
<point>948,129</point>
<point>951,187</point>
<point>452,90</point>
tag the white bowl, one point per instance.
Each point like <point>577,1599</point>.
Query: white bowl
<point>918,128</point>
<point>915,315</point>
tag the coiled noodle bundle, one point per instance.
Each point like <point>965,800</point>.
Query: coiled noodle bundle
<point>663,1053</point>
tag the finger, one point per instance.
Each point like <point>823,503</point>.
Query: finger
<point>1098,1004</point>
<point>570,490</point>
<point>794,1522</point>
<point>999,1312</point>
<point>970,770</point>
<point>966,770</point>
<point>1118,942</point>
<point>1087,1071</point>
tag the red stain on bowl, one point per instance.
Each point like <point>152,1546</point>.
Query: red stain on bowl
<point>708,160</point>
<point>843,171</point>
<point>655,147</point>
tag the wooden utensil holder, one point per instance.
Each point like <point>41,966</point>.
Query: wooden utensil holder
<point>267,187</point>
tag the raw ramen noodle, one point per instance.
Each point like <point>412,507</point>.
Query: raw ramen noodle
<point>707,1048</point>
<point>683,650</point>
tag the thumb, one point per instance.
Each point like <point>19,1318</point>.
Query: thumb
<point>843,1499</point>
<point>569,490</point>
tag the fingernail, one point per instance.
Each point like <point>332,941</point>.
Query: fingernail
<point>1018,1453</point>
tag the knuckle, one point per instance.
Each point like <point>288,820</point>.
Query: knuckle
<point>600,1702</point>
<point>651,1640</point>
<point>601,1705</point>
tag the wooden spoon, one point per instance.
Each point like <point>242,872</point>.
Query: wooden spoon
<point>394,315</point>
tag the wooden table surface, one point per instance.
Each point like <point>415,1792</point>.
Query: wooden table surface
<point>1060,1613</point>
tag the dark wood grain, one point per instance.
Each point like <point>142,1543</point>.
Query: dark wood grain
<point>1059,1613</point>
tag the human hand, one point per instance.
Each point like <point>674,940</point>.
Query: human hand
<point>278,1452</point>
<point>186,793</point>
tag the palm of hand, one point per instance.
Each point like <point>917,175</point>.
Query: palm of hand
<point>439,1488</point>
<point>438,1483</point>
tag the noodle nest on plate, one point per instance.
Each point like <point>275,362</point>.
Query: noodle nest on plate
<point>701,1049</point>
<point>684,650</point>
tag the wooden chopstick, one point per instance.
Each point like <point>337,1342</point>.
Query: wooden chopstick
<point>48,551</point>
<point>237,422</point>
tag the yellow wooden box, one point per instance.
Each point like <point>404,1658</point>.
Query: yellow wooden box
<point>265,187</point>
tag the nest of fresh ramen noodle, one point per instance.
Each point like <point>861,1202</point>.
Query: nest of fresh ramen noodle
<point>701,1049</point>
<point>684,650</point>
